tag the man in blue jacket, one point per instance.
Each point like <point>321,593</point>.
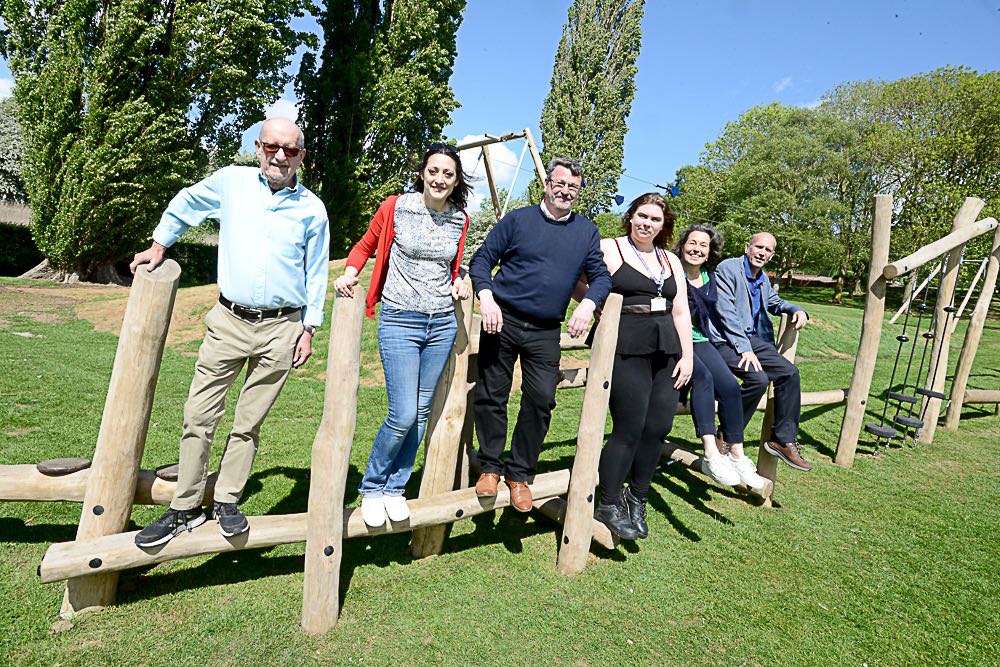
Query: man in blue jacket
<point>746,342</point>
<point>541,250</point>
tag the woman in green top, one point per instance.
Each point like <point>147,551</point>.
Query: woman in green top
<point>698,246</point>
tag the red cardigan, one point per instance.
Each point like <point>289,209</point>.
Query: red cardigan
<point>378,240</point>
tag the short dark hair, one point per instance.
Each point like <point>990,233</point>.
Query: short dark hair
<point>663,238</point>
<point>459,197</point>
<point>714,241</point>
<point>574,167</point>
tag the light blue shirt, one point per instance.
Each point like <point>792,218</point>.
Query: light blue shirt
<point>274,249</point>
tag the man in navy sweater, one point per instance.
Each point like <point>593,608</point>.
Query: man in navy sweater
<point>541,250</point>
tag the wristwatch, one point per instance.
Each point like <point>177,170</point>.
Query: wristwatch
<point>309,329</point>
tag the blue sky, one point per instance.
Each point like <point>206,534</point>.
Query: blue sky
<point>702,63</point>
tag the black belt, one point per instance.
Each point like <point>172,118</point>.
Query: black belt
<point>642,309</point>
<point>255,314</point>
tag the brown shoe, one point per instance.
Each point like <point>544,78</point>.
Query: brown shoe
<point>789,453</point>
<point>520,495</point>
<point>486,487</point>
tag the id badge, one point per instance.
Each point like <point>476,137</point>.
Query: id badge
<point>657,305</point>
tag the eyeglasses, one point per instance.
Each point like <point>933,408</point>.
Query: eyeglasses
<point>563,185</point>
<point>440,146</point>
<point>271,149</point>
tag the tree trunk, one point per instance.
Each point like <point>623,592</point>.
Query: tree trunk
<point>102,274</point>
<point>838,286</point>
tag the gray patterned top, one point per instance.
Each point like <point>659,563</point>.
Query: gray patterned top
<point>426,242</point>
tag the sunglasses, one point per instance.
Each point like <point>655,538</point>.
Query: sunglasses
<point>447,148</point>
<point>271,149</point>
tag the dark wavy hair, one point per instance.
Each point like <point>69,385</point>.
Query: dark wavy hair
<point>459,197</point>
<point>714,242</point>
<point>666,234</point>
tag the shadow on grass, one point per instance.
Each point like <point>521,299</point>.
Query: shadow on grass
<point>16,530</point>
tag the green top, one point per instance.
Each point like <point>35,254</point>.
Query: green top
<point>696,335</point>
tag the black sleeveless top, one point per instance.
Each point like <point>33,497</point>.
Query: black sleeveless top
<point>644,333</point>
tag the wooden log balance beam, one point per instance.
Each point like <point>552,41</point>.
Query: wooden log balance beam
<point>114,471</point>
<point>692,461</point>
<point>958,237</point>
<point>23,482</point>
<point>981,396</point>
<point>331,457</point>
<point>113,553</point>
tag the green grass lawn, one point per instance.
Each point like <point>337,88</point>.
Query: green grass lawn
<point>891,563</point>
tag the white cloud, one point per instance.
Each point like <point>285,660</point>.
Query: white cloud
<point>779,86</point>
<point>6,87</point>
<point>282,108</point>
<point>504,161</point>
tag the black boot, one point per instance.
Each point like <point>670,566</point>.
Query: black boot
<point>636,514</point>
<point>615,517</point>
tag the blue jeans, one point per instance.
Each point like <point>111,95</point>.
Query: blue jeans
<point>414,348</point>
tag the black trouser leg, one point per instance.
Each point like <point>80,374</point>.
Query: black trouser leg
<point>497,354</point>
<point>754,382</point>
<point>539,353</point>
<point>727,392</point>
<point>659,421</point>
<point>787,390</point>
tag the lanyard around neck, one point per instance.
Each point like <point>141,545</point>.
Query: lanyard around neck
<point>663,268</point>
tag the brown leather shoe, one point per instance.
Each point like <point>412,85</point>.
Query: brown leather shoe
<point>789,453</point>
<point>520,495</point>
<point>486,487</point>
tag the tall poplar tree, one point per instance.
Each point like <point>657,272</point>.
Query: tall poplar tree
<point>372,99</point>
<point>593,83</point>
<point>123,102</point>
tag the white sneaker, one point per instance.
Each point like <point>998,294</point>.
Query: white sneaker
<point>396,508</point>
<point>720,468</point>
<point>748,473</point>
<point>373,511</point>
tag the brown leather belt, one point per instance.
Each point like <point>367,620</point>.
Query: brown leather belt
<point>255,314</point>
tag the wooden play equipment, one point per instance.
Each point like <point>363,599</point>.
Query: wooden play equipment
<point>928,389</point>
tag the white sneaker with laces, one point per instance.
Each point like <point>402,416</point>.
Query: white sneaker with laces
<point>396,508</point>
<point>748,473</point>
<point>373,512</point>
<point>720,468</point>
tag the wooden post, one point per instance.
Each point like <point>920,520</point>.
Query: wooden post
<point>107,503</point>
<point>578,528</point>
<point>938,366</point>
<point>871,334</point>
<point>968,294</point>
<point>444,430</point>
<point>767,465</point>
<point>972,337</point>
<point>539,167</point>
<point>491,179</point>
<point>331,454</point>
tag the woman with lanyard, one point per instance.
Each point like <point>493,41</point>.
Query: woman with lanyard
<point>698,247</point>
<point>417,239</point>
<point>652,362</point>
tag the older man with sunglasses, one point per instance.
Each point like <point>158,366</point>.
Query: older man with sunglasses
<point>273,265</point>
<point>541,250</point>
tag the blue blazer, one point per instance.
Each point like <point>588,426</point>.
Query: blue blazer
<point>733,307</point>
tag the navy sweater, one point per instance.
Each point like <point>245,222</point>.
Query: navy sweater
<point>540,261</point>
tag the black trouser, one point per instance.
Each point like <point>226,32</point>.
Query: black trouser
<point>713,380</point>
<point>643,402</point>
<point>787,387</point>
<point>538,349</point>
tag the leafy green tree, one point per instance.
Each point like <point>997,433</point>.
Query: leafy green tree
<point>373,99</point>
<point>593,84</point>
<point>11,182</point>
<point>484,219</point>
<point>609,224</point>
<point>123,103</point>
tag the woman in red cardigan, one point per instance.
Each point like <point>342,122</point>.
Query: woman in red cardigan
<point>417,239</point>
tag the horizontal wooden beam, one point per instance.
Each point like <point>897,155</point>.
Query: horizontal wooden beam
<point>981,396</point>
<point>555,509</point>
<point>934,250</point>
<point>119,552</point>
<point>23,483</point>
<point>487,141</point>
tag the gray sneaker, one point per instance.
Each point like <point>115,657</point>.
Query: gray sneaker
<point>231,519</point>
<point>167,526</point>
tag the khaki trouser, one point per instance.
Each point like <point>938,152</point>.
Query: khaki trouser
<point>230,342</point>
